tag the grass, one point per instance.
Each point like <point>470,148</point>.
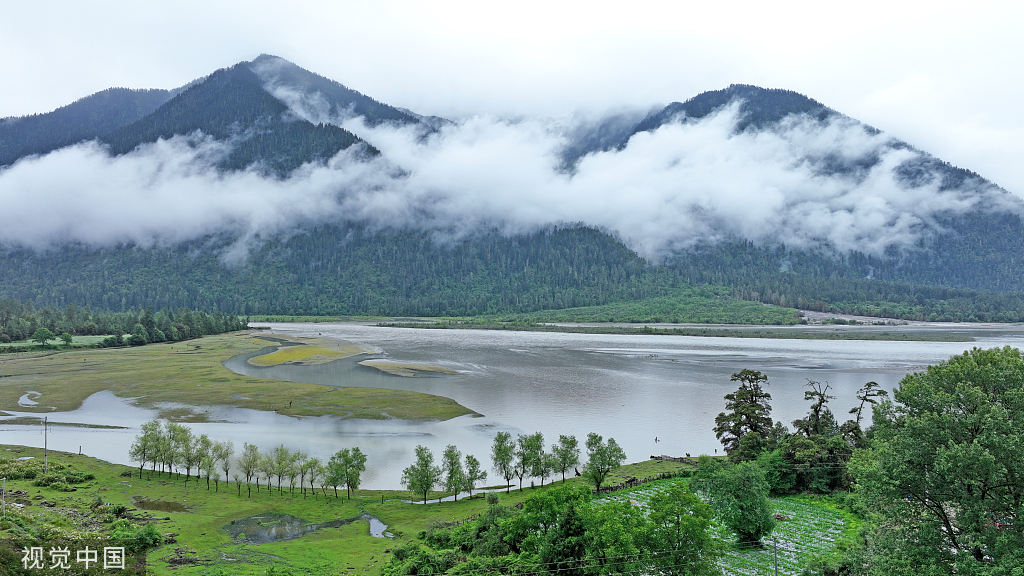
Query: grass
<point>813,528</point>
<point>404,368</point>
<point>190,373</point>
<point>306,351</point>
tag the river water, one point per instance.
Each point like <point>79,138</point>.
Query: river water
<point>654,394</point>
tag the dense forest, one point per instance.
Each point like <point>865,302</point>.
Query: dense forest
<point>21,321</point>
<point>331,270</point>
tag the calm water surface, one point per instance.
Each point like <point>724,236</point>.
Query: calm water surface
<point>632,388</point>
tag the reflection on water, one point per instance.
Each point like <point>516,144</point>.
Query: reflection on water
<point>634,388</point>
<point>275,527</point>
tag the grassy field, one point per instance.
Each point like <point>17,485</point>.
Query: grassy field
<point>205,521</point>
<point>191,373</point>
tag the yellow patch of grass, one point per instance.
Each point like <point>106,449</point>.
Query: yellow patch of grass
<point>404,368</point>
<point>307,351</point>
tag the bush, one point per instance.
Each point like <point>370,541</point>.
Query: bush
<point>135,538</point>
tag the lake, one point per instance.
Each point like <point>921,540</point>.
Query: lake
<point>654,394</point>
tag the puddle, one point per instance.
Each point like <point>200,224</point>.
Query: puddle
<point>274,527</point>
<point>159,505</point>
<point>29,399</point>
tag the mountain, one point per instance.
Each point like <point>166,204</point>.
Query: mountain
<point>231,104</point>
<point>375,240</point>
<point>324,98</point>
<point>85,119</point>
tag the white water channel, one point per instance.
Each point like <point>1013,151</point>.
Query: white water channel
<point>634,388</point>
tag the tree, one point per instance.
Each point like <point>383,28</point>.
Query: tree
<point>207,464</point>
<point>747,413</point>
<point>208,468</point>
<point>503,457</point>
<point>738,493</point>
<point>422,476</point>
<point>317,471</point>
<point>529,455</point>
<point>819,421</point>
<point>266,469</point>
<point>567,453</point>
<point>473,474</point>
<point>345,469</point>
<point>548,465</point>
<point>602,458</point>
<point>66,338</point>
<point>280,463</point>
<point>679,533</point>
<point>249,463</point>
<point>944,475</point>
<point>868,394</point>
<point>223,451</point>
<point>145,446</point>
<point>300,469</point>
<point>187,449</point>
<point>42,336</point>
<point>451,468</point>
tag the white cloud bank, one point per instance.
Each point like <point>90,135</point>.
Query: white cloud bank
<point>684,183</point>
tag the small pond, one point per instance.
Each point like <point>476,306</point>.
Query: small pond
<point>275,527</point>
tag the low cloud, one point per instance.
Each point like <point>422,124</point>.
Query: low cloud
<point>686,183</point>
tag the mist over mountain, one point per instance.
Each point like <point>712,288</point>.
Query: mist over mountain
<point>769,182</point>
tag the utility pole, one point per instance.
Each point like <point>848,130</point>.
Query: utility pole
<point>45,418</point>
<point>775,544</point>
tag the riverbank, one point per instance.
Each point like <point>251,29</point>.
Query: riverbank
<point>787,333</point>
<point>184,380</point>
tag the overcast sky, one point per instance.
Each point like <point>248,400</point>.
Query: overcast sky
<point>945,76</point>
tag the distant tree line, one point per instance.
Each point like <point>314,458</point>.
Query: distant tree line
<point>22,321</point>
<point>330,270</point>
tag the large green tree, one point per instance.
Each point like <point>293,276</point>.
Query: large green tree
<point>454,476</point>
<point>345,468</point>
<point>567,453</point>
<point>422,475</point>
<point>679,532</point>
<point>944,476</point>
<point>503,453</point>
<point>738,493</point>
<point>746,425</point>
<point>602,458</point>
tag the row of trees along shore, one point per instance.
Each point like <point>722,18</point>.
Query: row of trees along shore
<point>174,447</point>
<point>23,321</point>
<point>521,458</point>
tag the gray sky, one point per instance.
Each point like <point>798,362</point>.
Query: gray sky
<point>945,76</point>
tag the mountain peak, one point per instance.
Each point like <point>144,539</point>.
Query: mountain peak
<point>321,99</point>
<point>760,107</point>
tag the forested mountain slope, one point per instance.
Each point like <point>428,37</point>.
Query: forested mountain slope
<point>85,119</point>
<point>231,104</point>
<point>854,220</point>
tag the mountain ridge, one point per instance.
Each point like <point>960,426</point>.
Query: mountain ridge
<point>273,116</point>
